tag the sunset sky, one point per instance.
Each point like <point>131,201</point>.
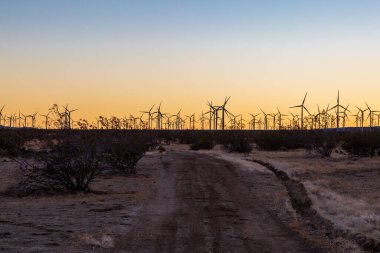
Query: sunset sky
<point>116,57</point>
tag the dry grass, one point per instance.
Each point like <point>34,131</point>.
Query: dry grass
<point>347,213</point>
<point>343,189</point>
<point>70,222</point>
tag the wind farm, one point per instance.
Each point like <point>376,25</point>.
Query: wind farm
<point>217,117</point>
<point>67,151</point>
<point>190,126</point>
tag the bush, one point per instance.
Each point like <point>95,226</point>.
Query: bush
<point>326,149</point>
<point>70,166</point>
<point>123,153</point>
<point>364,144</point>
<point>239,145</point>
<point>11,142</point>
<point>204,144</point>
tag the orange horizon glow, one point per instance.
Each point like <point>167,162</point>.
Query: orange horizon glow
<point>121,57</point>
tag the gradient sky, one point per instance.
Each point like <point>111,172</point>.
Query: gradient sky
<point>116,57</point>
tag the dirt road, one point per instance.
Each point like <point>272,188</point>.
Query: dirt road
<point>183,202</point>
<point>204,204</point>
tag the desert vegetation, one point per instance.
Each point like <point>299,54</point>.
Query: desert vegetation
<point>68,161</point>
<point>75,162</point>
<point>355,142</point>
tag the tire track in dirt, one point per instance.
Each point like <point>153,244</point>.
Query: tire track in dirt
<point>302,203</point>
<point>203,204</point>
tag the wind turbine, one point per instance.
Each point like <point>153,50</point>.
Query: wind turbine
<point>295,121</point>
<point>233,121</point>
<point>150,117</point>
<point>1,114</point>
<point>241,121</point>
<point>214,111</point>
<point>253,120</point>
<point>33,116</point>
<point>302,106</point>
<point>224,110</point>
<point>178,120</point>
<point>133,120</point>
<point>211,112</point>
<point>25,119</point>
<point>345,115</point>
<point>19,119</point>
<point>337,107</point>
<point>10,118</point>
<point>67,116</point>
<point>192,121</point>
<point>159,117</point>
<point>46,119</point>
<point>357,118</point>
<point>202,118</point>
<point>325,114</point>
<point>370,115</point>
<point>265,120</point>
<point>280,115</point>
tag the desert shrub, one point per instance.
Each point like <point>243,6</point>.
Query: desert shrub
<point>152,144</point>
<point>325,149</point>
<point>123,153</point>
<point>11,142</point>
<point>282,140</point>
<point>269,142</point>
<point>322,143</point>
<point>187,137</point>
<point>364,144</point>
<point>70,166</point>
<point>237,144</point>
<point>203,144</point>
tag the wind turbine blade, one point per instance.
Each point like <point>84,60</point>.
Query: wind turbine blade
<point>307,110</point>
<point>338,97</point>
<point>226,100</point>
<point>303,102</point>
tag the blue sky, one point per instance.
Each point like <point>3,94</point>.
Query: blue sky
<point>180,20</point>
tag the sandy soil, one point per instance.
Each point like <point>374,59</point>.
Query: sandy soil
<point>204,204</point>
<point>73,223</point>
<point>180,201</point>
<point>343,189</point>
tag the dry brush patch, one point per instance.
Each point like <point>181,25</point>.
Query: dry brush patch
<point>349,213</point>
<point>68,161</point>
<point>69,166</point>
<point>81,222</point>
<point>339,215</point>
